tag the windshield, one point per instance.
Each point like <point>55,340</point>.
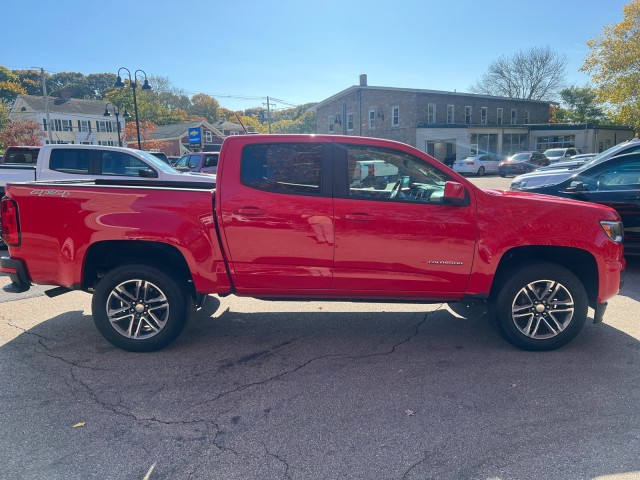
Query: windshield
<point>606,153</point>
<point>520,156</point>
<point>156,162</point>
<point>554,152</point>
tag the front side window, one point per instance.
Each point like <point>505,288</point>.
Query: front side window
<point>194,161</point>
<point>70,160</point>
<point>623,176</point>
<point>293,168</point>
<point>120,163</point>
<point>381,174</point>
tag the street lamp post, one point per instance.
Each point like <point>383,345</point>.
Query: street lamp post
<point>116,111</point>
<point>133,82</point>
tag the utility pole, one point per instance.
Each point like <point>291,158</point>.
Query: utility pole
<point>46,104</point>
<point>269,113</point>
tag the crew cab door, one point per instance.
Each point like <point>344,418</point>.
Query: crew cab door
<point>394,235</point>
<point>277,216</point>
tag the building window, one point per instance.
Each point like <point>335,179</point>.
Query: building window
<point>484,143</point>
<point>104,126</point>
<point>372,118</point>
<point>450,114</point>
<point>483,116</point>
<point>431,113</point>
<point>395,116</point>
<point>499,116</point>
<point>107,143</point>
<point>84,126</point>
<point>467,115</point>
<point>526,116</point>
<point>331,120</point>
<point>514,118</point>
<point>208,137</point>
<point>349,121</point>
<point>555,141</point>
<point>514,142</point>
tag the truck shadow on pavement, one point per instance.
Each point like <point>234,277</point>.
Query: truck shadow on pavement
<point>315,394</point>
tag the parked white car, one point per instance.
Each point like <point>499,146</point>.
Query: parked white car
<point>478,164</point>
<point>559,154</point>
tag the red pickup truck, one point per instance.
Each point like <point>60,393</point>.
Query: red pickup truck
<point>292,218</point>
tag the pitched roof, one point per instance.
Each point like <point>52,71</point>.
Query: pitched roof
<point>71,106</point>
<point>178,130</point>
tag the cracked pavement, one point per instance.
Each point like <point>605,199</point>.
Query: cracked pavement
<point>302,390</point>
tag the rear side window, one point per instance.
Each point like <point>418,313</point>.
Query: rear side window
<point>283,167</point>
<point>120,163</point>
<point>74,161</point>
<point>211,161</point>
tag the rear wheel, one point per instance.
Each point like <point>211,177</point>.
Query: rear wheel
<point>541,307</point>
<point>139,308</point>
<point>481,171</point>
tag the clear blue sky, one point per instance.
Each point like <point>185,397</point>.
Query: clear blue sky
<point>298,51</point>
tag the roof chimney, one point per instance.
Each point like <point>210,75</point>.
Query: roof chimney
<point>363,80</point>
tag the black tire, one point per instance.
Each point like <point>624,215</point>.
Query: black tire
<point>503,174</point>
<point>541,307</point>
<point>481,171</point>
<point>148,308</point>
<point>527,169</point>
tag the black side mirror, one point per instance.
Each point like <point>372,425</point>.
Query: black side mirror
<point>576,186</point>
<point>147,173</point>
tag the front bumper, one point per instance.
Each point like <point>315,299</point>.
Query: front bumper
<point>17,274</point>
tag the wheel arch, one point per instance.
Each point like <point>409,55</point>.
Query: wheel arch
<point>578,261</point>
<point>107,255</point>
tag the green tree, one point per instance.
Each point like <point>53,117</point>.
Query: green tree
<point>70,85</point>
<point>614,68</point>
<point>100,83</point>
<point>10,86</point>
<point>580,105</point>
<point>537,73</point>
<point>204,106</point>
<point>30,80</point>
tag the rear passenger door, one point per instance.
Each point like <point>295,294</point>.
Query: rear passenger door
<point>277,217</point>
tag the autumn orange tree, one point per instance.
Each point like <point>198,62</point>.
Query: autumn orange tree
<point>613,66</point>
<point>146,140</point>
<point>22,132</point>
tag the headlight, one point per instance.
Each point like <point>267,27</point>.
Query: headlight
<point>614,230</point>
<point>518,185</point>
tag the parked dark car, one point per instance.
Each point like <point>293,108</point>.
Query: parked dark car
<point>203,162</point>
<point>615,183</point>
<point>574,162</point>
<point>162,156</point>
<point>522,162</point>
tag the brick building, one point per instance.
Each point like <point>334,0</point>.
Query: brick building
<point>451,124</point>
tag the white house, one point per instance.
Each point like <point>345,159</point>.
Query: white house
<point>72,120</point>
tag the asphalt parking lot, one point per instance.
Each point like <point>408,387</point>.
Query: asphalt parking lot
<point>313,390</point>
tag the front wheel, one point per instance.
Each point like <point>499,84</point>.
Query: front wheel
<point>139,308</point>
<point>541,307</point>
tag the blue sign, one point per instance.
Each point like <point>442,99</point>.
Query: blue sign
<point>195,136</point>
